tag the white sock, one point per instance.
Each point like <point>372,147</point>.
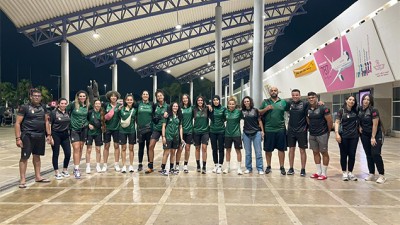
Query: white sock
<point>116,163</point>
<point>319,170</point>
<point>98,164</point>
<point>227,164</point>
<point>87,164</point>
<point>240,164</point>
<point>76,167</point>
<point>324,169</point>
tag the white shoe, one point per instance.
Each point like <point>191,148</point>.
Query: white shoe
<point>58,176</point>
<point>352,177</point>
<point>345,176</point>
<point>381,179</point>
<point>65,174</point>
<point>226,170</point>
<point>123,170</point>
<point>247,171</point>
<point>131,168</point>
<point>370,177</point>
<point>239,171</point>
<point>117,169</point>
<point>215,168</point>
<point>185,169</point>
<point>98,169</point>
<point>104,168</point>
<point>88,169</point>
<point>219,170</point>
<point>177,168</point>
<point>261,172</point>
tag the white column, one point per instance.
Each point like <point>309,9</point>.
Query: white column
<point>154,87</point>
<point>231,72</point>
<point>251,78</point>
<point>114,77</point>
<point>241,89</point>
<point>191,92</point>
<point>226,96</point>
<point>65,70</point>
<point>258,53</point>
<point>218,50</point>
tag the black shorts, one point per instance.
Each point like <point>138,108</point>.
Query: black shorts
<point>156,135</point>
<point>123,138</point>
<point>98,140</point>
<point>111,133</point>
<point>299,137</point>
<point>188,138</point>
<point>171,144</point>
<point>32,144</point>
<point>200,139</point>
<point>275,140</point>
<point>237,141</point>
<point>79,135</point>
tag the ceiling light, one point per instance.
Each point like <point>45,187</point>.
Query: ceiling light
<point>190,50</point>
<point>209,64</point>
<point>96,35</point>
<point>168,71</point>
<point>202,78</point>
<point>134,58</point>
<point>251,40</point>
<point>233,71</point>
<point>178,27</point>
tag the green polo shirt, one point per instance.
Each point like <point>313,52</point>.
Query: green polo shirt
<point>187,120</point>
<point>95,131</point>
<point>144,114</point>
<point>113,123</point>
<point>200,125</point>
<point>233,123</point>
<point>124,113</point>
<point>172,127</point>
<point>159,113</point>
<point>217,125</point>
<point>275,118</point>
<point>78,116</point>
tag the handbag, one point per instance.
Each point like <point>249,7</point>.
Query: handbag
<point>110,114</point>
<point>127,122</point>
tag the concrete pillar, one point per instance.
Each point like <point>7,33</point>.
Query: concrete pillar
<point>226,96</point>
<point>231,72</point>
<point>191,92</point>
<point>155,87</point>
<point>65,70</point>
<point>258,53</point>
<point>251,78</point>
<point>114,77</point>
<point>241,89</point>
<point>218,49</point>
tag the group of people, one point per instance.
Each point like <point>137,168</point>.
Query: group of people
<point>180,125</point>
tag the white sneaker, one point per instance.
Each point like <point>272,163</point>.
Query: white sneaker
<point>247,171</point>
<point>219,170</point>
<point>58,176</point>
<point>88,169</point>
<point>226,170</point>
<point>370,177</point>
<point>177,169</point>
<point>185,169</point>
<point>352,177</point>
<point>104,169</point>
<point>239,171</point>
<point>65,174</point>
<point>215,168</point>
<point>381,179</point>
<point>345,176</point>
<point>261,172</point>
<point>123,170</point>
<point>131,168</point>
<point>117,168</point>
<point>98,169</point>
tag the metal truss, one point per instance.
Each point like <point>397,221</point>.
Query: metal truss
<point>244,72</point>
<point>59,28</point>
<point>193,30</point>
<point>229,42</point>
<point>238,57</point>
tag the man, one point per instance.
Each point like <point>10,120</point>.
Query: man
<point>31,126</point>
<point>273,110</point>
<point>320,124</point>
<point>297,131</point>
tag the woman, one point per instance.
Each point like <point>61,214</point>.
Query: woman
<point>217,133</point>
<point>158,113</point>
<point>60,121</point>
<point>112,108</point>
<point>233,135</point>
<point>172,133</point>
<point>78,110</point>
<point>253,131</point>
<point>127,131</point>
<point>96,129</point>
<point>144,109</point>
<point>187,127</point>
<point>372,138</point>
<point>346,129</point>
<point>200,132</point>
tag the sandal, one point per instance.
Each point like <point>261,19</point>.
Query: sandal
<point>22,185</point>
<point>43,180</point>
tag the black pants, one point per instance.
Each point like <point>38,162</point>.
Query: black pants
<point>348,148</point>
<point>373,153</point>
<point>144,140</point>
<point>61,139</point>
<point>217,145</point>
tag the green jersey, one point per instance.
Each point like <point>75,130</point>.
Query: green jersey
<point>124,113</point>
<point>172,126</point>
<point>159,114</point>
<point>187,120</point>
<point>92,118</point>
<point>217,125</point>
<point>144,112</point>
<point>275,118</point>
<point>78,116</point>
<point>233,123</point>
<point>113,123</point>
<point>200,125</point>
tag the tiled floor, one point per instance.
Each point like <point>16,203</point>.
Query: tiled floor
<point>115,198</point>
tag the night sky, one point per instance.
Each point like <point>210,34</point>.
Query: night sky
<point>18,56</point>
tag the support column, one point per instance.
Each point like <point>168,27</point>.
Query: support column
<point>231,72</point>
<point>251,78</point>
<point>241,89</point>
<point>114,77</point>
<point>218,49</point>
<point>191,92</point>
<point>154,87</point>
<point>226,96</point>
<point>65,70</point>
<point>258,53</point>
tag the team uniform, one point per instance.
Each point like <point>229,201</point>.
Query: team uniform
<point>79,122</point>
<point>172,132</point>
<point>297,125</point>
<point>187,124</point>
<point>60,122</point>
<point>217,134</point>
<point>200,127</point>
<point>127,134</point>
<point>232,131</point>
<point>112,125</point>
<point>252,133</point>
<point>318,128</point>
<point>158,119</point>
<point>96,133</point>
<point>144,122</point>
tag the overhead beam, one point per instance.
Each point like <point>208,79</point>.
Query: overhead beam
<point>244,72</point>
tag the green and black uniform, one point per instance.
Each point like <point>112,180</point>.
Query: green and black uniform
<point>112,125</point>
<point>96,133</point>
<point>200,126</point>
<point>128,132</point>
<point>144,116</point>
<point>187,124</point>
<point>158,119</point>
<point>217,133</point>
<point>232,131</point>
<point>79,122</point>
<point>172,125</point>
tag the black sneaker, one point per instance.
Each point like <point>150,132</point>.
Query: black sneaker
<point>303,172</point>
<point>203,170</point>
<point>283,171</point>
<point>198,169</point>
<point>268,170</point>
<point>140,168</point>
<point>290,171</point>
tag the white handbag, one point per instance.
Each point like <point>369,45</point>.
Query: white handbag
<point>127,122</point>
